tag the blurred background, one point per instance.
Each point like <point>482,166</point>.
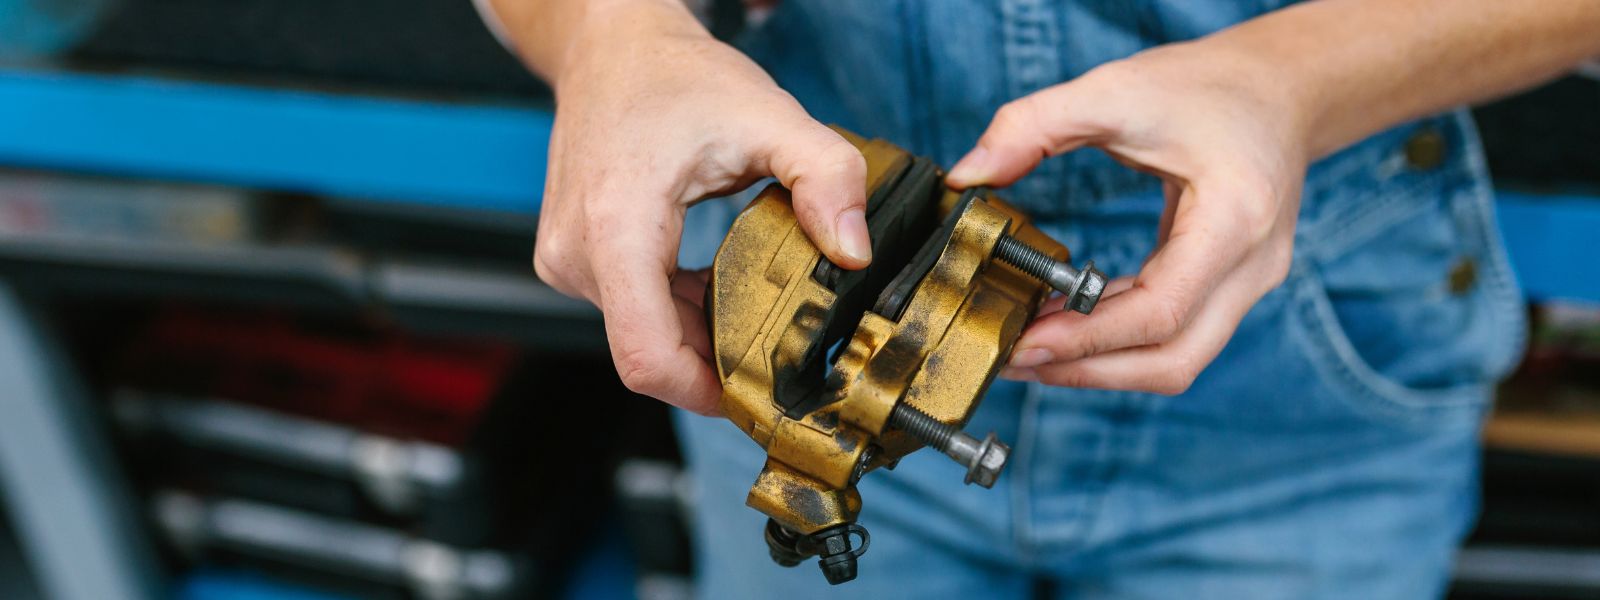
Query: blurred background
<point>268,328</point>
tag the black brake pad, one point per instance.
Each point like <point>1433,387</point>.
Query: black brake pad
<point>902,219</point>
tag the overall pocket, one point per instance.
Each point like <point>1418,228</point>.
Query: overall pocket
<point>1415,325</point>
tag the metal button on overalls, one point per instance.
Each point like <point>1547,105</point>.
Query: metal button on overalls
<point>1425,150</point>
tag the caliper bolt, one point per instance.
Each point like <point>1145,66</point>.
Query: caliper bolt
<point>983,459</point>
<point>1082,287</point>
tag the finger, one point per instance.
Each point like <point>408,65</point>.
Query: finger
<point>698,337</point>
<point>1019,374</point>
<point>691,286</point>
<point>1024,132</point>
<point>1172,191</point>
<point>1167,368</point>
<point>827,179</point>
<point>642,320</point>
<point>1206,243</point>
<point>688,289</point>
<point>1023,358</point>
<point>695,334</point>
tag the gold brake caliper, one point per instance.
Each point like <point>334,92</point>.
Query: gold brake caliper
<point>836,373</point>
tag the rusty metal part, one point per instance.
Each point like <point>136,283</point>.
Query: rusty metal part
<point>817,361</point>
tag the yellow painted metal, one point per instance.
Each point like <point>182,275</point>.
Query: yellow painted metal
<point>956,330</point>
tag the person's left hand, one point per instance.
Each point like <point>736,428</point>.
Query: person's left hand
<point>1227,138</point>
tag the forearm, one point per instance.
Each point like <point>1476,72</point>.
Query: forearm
<point>1356,67</point>
<point>544,32</point>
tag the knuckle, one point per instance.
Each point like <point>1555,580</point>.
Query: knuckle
<point>550,242</point>
<point>843,156</point>
<point>543,270</point>
<point>1257,213</point>
<point>641,371</point>
<point>838,166</point>
<point>1173,384</point>
<point>1166,320</point>
<point>550,258</point>
<point>1279,262</point>
<point>1179,376</point>
<point>1016,114</point>
<point>1089,344</point>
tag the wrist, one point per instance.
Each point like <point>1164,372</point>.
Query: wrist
<point>621,26</point>
<point>1276,86</point>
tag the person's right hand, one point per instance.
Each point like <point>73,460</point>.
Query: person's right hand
<point>652,115</point>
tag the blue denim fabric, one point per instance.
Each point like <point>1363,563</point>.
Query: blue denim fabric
<point>1329,452</point>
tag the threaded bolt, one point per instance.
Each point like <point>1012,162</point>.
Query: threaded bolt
<point>1082,287</point>
<point>922,426</point>
<point>984,459</point>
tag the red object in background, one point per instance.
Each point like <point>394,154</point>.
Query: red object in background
<point>383,382</point>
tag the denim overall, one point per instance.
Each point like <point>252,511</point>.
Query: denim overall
<point>1330,451</point>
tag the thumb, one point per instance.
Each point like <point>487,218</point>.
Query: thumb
<point>1022,133</point>
<point>827,179</point>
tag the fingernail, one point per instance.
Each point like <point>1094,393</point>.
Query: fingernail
<point>971,169</point>
<point>1032,357</point>
<point>853,240</point>
<point>1016,374</point>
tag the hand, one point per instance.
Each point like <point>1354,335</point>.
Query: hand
<point>1226,139</point>
<point>653,115</point>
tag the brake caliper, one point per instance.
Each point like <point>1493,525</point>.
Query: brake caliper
<point>836,373</point>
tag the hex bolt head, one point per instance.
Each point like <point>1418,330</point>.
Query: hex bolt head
<point>1090,285</point>
<point>988,462</point>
